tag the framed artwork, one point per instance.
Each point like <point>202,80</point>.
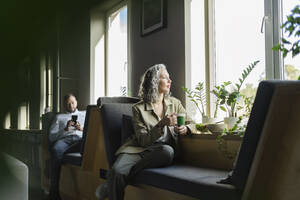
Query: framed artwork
<point>153,16</point>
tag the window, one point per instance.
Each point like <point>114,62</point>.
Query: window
<point>239,42</point>
<point>99,73</point>
<point>109,52</point>
<point>46,100</point>
<point>198,62</point>
<point>117,59</point>
<point>227,36</point>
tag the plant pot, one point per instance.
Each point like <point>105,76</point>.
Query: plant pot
<point>216,128</point>
<point>208,120</point>
<point>230,122</point>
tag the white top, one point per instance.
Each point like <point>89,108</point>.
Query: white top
<point>57,128</point>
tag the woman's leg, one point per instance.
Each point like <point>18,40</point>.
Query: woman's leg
<point>117,177</point>
<point>127,166</point>
<point>157,155</point>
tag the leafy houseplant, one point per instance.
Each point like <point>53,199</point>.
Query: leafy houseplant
<point>197,96</point>
<point>292,27</point>
<point>228,100</point>
<point>229,103</point>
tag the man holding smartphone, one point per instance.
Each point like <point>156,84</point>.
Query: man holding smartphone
<point>64,136</point>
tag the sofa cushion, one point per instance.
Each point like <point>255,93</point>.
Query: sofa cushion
<point>188,180</point>
<point>47,119</point>
<point>127,128</point>
<point>112,114</point>
<point>85,128</point>
<point>72,158</point>
<point>121,99</point>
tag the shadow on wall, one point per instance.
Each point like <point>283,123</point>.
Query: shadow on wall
<point>17,85</point>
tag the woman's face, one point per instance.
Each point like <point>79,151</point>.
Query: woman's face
<point>164,83</point>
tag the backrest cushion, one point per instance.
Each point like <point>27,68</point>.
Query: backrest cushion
<point>112,115</point>
<point>85,128</point>
<point>121,99</point>
<point>252,134</point>
<point>47,119</point>
<point>127,128</point>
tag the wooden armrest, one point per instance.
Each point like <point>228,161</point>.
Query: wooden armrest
<point>94,156</point>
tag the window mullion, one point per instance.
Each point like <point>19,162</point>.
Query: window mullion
<point>278,61</point>
<point>210,56</point>
<point>274,69</point>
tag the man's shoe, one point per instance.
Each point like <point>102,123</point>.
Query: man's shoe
<point>102,191</point>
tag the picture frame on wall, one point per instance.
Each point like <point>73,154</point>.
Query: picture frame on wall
<point>153,16</point>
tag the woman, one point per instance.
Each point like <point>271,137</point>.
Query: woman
<point>154,144</point>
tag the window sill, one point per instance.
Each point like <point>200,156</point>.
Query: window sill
<point>210,136</point>
<point>24,131</point>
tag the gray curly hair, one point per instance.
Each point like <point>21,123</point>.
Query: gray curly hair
<point>148,91</point>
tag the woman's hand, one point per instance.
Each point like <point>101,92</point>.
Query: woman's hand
<point>168,120</point>
<point>182,130</point>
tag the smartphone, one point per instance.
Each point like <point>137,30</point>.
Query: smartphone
<point>74,118</point>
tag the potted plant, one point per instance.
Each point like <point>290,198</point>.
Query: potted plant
<point>228,99</point>
<point>198,97</point>
<point>238,129</point>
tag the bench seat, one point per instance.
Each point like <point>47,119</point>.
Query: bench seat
<point>73,159</point>
<point>189,180</point>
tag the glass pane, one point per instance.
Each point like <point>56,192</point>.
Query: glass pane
<point>239,42</point>
<point>117,53</point>
<point>291,65</point>
<point>197,49</point>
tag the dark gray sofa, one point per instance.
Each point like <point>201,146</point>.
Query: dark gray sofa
<point>190,180</point>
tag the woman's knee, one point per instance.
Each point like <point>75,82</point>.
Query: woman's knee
<point>167,152</point>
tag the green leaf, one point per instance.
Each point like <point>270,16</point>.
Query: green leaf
<point>284,41</point>
<point>223,108</point>
<point>276,47</point>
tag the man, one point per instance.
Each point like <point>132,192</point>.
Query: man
<point>65,136</point>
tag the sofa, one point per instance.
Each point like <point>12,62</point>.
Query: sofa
<point>267,166</point>
<point>201,182</point>
<point>81,163</point>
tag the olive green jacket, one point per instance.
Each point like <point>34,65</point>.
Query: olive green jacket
<point>145,125</point>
